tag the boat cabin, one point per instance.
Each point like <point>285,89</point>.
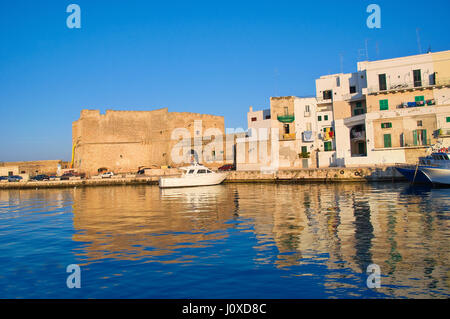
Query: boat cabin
<point>436,160</point>
<point>196,170</point>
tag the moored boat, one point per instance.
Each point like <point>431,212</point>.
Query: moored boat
<point>194,175</point>
<point>432,169</point>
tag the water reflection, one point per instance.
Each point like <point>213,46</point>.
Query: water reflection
<point>342,227</point>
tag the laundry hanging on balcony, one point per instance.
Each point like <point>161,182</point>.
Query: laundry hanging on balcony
<point>328,133</point>
<point>308,136</point>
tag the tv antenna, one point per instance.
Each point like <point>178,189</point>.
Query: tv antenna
<point>418,40</point>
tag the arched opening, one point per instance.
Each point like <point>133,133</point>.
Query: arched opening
<point>358,142</point>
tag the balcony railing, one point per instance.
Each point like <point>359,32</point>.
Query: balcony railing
<point>288,137</point>
<point>287,118</point>
<point>443,132</point>
<point>322,100</point>
<point>409,85</point>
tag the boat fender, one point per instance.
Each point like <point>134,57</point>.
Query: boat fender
<point>342,172</point>
<point>357,173</point>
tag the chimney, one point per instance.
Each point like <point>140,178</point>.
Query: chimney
<point>251,109</point>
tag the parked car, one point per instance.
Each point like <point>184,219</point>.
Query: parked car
<point>3,178</point>
<point>227,167</point>
<point>14,178</point>
<point>107,175</point>
<point>66,176</point>
<point>41,177</point>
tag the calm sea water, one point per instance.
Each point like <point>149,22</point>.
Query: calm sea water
<point>226,241</point>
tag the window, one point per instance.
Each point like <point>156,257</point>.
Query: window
<point>327,95</point>
<point>304,149</point>
<point>358,112</point>
<point>267,117</point>
<point>448,119</point>
<point>319,118</point>
<point>384,105</point>
<point>191,171</point>
<point>201,171</point>
<point>419,123</point>
<point>420,137</point>
<point>358,104</point>
<point>386,125</point>
<point>387,140</point>
<point>382,82</point>
<point>306,108</point>
<point>417,78</point>
<point>253,119</point>
<point>328,146</point>
<point>286,129</point>
<point>325,118</point>
<point>286,110</point>
<point>308,126</point>
<point>352,89</point>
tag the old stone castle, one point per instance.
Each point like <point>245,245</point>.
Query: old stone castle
<point>124,141</point>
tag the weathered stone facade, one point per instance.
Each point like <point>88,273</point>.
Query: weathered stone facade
<point>124,141</point>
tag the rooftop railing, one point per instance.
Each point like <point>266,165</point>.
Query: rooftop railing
<point>409,85</point>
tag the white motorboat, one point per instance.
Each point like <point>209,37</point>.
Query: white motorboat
<point>194,175</point>
<point>437,168</point>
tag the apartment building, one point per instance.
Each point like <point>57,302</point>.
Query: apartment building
<point>405,106</point>
<point>388,111</point>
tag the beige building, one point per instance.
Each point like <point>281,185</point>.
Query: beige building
<point>125,141</point>
<point>404,110</point>
<point>32,168</point>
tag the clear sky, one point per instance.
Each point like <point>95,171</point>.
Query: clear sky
<point>215,57</point>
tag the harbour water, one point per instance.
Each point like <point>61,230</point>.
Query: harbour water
<point>227,241</point>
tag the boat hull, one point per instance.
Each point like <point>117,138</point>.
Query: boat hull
<point>191,181</point>
<point>439,176</point>
<point>409,173</point>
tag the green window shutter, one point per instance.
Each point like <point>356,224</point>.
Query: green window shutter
<point>420,98</point>
<point>327,146</point>
<point>448,119</point>
<point>325,118</point>
<point>415,137</point>
<point>358,104</point>
<point>384,105</point>
<point>304,149</point>
<point>387,140</point>
<point>424,137</point>
<point>319,118</point>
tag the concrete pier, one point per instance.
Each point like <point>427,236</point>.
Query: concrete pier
<point>364,174</point>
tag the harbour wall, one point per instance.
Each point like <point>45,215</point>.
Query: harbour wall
<point>364,174</point>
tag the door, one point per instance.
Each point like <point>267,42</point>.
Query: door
<point>417,78</point>
<point>387,140</point>
<point>362,148</point>
<point>382,82</point>
<point>286,128</point>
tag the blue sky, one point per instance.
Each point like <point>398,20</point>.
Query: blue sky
<point>215,57</point>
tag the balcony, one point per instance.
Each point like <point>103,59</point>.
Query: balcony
<point>443,132</point>
<point>409,86</point>
<point>288,137</point>
<point>287,118</point>
<point>321,100</point>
